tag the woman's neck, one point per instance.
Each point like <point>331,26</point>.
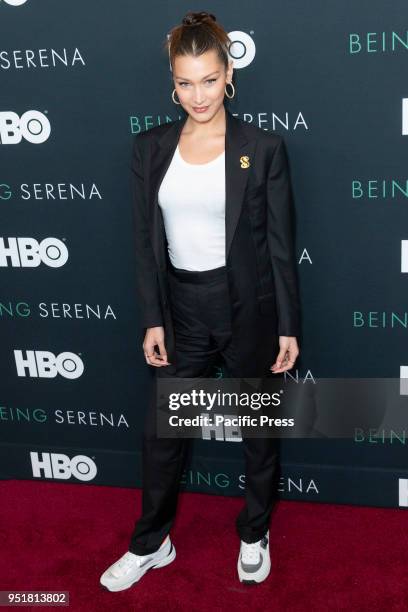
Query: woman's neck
<point>213,127</point>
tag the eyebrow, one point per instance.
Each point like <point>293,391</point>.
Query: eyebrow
<point>205,77</point>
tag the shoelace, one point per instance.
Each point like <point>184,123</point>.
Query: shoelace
<point>127,559</point>
<point>250,552</point>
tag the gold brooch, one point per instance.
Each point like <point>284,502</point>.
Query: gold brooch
<point>244,161</point>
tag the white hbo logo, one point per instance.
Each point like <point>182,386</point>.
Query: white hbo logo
<point>242,48</point>
<point>57,465</point>
<point>15,2</point>
<point>44,364</point>
<point>29,253</point>
<point>32,125</point>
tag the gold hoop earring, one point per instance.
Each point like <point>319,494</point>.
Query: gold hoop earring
<point>233,90</point>
<point>172,97</point>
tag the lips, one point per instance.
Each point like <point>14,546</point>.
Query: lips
<point>200,109</point>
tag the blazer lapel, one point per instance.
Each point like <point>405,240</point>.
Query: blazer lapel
<point>237,172</point>
<point>161,155</point>
<point>237,145</point>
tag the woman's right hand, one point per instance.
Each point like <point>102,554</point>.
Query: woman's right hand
<point>155,336</point>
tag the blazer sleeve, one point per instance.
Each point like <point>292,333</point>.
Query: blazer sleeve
<point>146,275</point>
<point>280,232</point>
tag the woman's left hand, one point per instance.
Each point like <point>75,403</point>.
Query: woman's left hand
<point>288,353</point>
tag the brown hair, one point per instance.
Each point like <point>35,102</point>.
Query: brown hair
<point>198,33</point>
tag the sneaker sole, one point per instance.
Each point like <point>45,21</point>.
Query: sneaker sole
<point>162,563</point>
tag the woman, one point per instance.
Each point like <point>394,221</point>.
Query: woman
<point>217,278</point>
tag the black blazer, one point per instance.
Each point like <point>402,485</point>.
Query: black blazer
<point>259,225</point>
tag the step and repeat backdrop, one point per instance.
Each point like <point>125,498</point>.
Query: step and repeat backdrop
<point>78,81</point>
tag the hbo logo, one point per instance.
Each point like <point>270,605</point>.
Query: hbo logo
<point>57,465</point>
<point>44,364</point>
<point>29,253</point>
<point>32,126</point>
<point>241,49</point>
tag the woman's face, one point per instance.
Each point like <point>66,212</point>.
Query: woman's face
<point>200,83</point>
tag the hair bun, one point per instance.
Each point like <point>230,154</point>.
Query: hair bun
<point>194,19</point>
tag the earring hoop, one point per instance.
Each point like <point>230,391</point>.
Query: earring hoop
<point>233,90</point>
<point>172,97</point>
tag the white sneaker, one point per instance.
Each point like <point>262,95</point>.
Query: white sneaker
<point>254,562</point>
<point>130,568</point>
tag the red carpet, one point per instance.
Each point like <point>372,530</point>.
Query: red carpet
<point>324,557</point>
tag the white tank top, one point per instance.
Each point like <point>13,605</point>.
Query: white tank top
<point>192,200</point>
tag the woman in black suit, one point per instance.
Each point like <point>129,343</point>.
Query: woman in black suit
<point>216,278</point>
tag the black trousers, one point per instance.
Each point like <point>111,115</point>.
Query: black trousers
<point>201,313</point>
